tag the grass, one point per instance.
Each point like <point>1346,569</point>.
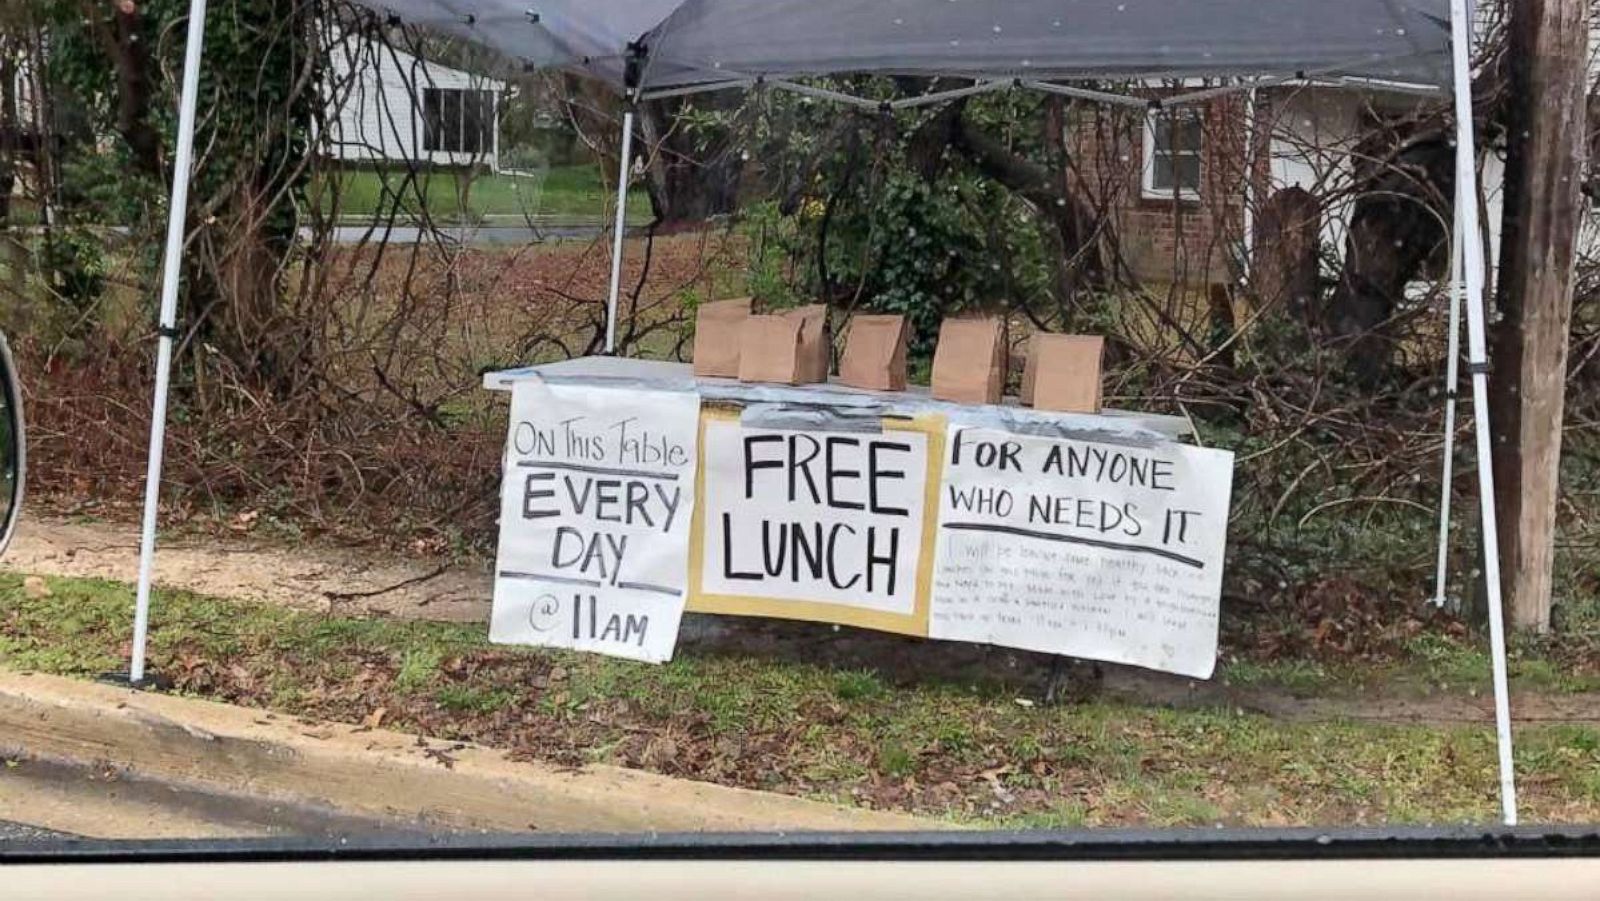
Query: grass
<point>562,194</point>
<point>1430,663</point>
<point>968,752</point>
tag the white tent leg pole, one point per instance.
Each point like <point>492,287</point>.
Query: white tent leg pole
<point>172,265</point>
<point>624,169</point>
<point>1477,365</point>
<point>1451,378</point>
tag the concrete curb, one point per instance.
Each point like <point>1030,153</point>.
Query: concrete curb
<point>377,774</point>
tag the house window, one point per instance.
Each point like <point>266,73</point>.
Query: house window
<point>1172,147</point>
<point>457,121</point>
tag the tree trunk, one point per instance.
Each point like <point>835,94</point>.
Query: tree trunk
<point>239,295</point>
<point>1543,209</point>
<point>1287,234</point>
<point>130,56</point>
<point>12,255</point>
<point>691,173</point>
<point>1394,228</point>
<point>10,132</point>
<point>1405,180</point>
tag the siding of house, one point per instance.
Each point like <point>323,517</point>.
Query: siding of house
<point>1310,136</point>
<point>1313,139</point>
<point>380,106</point>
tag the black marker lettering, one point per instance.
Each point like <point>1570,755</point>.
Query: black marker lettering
<point>773,564</point>
<point>728,571</point>
<point>802,466</point>
<point>579,501</point>
<point>562,533</point>
<point>835,474</point>
<point>751,464</point>
<point>670,500</point>
<point>1008,456</point>
<point>874,474</point>
<point>888,560</point>
<point>1161,475</point>
<point>530,494</point>
<point>619,546</point>
<point>638,493</point>
<point>833,569</point>
<point>811,551</point>
<point>606,497</point>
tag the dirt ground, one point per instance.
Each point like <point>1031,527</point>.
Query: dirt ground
<point>350,582</point>
<point>311,577</point>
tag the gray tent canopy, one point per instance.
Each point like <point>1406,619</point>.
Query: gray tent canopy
<point>687,42</point>
<point>646,48</point>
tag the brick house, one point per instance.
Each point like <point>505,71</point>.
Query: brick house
<point>1235,191</point>
<point>1230,190</point>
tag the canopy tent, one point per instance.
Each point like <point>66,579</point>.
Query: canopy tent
<point>698,41</point>
<point>651,48</point>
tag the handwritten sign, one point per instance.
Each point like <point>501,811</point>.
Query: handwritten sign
<point>595,510</point>
<point>1072,547</point>
<point>833,518</point>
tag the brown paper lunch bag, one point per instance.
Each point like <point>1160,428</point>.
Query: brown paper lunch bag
<point>814,356</point>
<point>875,353</point>
<point>717,337</point>
<point>969,363</point>
<point>1063,373</point>
<point>788,347</point>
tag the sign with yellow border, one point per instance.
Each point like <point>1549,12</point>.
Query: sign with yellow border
<point>813,600</point>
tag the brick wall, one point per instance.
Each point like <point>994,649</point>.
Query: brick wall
<point>1188,242</point>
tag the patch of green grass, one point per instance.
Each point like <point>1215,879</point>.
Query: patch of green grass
<point>1294,675</point>
<point>954,737</point>
<point>75,631</point>
<point>419,667</point>
<point>895,759</point>
<point>1449,662</point>
<point>944,749</point>
<point>573,193</point>
<point>1180,809</point>
<point>1431,662</point>
<point>854,685</point>
<point>1066,815</point>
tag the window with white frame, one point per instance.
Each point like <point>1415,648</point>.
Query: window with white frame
<point>457,121</point>
<point>1173,143</point>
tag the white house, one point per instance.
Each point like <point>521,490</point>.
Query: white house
<point>385,104</point>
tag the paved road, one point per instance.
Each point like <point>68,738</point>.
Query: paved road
<point>22,832</point>
<point>494,234</point>
<point>473,234</point>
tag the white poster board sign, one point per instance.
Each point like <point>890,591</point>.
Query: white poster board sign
<point>595,510</point>
<point>828,517</point>
<point>1073,547</point>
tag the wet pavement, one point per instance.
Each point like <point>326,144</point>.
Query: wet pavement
<point>22,832</point>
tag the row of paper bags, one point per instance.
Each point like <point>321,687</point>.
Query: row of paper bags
<point>794,347</point>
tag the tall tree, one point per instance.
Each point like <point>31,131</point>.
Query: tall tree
<point>692,163</point>
<point>687,146</point>
<point>1547,147</point>
<point>258,100</point>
